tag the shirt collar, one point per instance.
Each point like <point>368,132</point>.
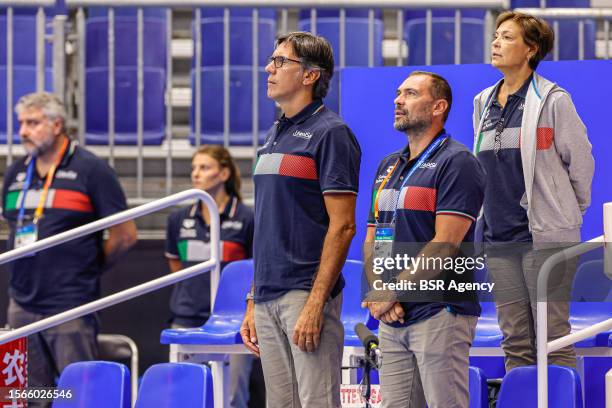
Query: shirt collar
<point>405,153</point>
<point>305,113</point>
<point>522,92</point>
<point>228,212</point>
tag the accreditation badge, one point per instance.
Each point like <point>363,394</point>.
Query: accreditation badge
<point>25,235</point>
<point>383,240</point>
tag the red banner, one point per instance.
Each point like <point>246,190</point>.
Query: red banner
<point>13,372</point>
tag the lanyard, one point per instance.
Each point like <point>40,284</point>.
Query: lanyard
<point>426,154</point>
<point>43,196</point>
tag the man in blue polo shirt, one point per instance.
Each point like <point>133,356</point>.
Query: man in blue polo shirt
<point>58,186</point>
<point>306,182</point>
<point>426,198</point>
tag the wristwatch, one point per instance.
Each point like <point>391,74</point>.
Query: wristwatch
<point>250,295</point>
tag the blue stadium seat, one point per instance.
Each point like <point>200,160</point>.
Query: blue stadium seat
<point>241,60</point>
<point>24,81</point>
<point>568,28</point>
<point>223,326</point>
<point>241,36</point>
<point>241,93</point>
<point>155,49</point>
<point>356,39</point>
<point>24,38</point>
<point>591,283</point>
<point>479,394</point>
<point>125,105</point>
<point>519,388</point>
<point>443,36</point>
<point>24,60</point>
<point>95,384</point>
<point>171,385</point>
<point>488,333</point>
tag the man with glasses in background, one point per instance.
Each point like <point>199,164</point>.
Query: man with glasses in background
<point>306,182</point>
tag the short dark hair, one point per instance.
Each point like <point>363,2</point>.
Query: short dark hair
<point>536,33</point>
<point>440,89</point>
<point>315,52</point>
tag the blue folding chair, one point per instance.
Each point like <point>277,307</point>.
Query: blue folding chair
<point>519,388</point>
<point>479,392</point>
<point>223,326</point>
<point>173,385</point>
<point>95,384</point>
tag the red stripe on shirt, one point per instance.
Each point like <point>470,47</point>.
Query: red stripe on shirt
<point>420,199</point>
<point>71,200</point>
<point>545,138</point>
<point>232,251</point>
<point>298,166</point>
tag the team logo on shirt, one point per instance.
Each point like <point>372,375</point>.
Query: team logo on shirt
<point>382,176</point>
<point>235,225</point>
<point>66,174</point>
<point>429,165</point>
<point>188,223</point>
<point>302,135</point>
<point>187,233</point>
<point>20,176</point>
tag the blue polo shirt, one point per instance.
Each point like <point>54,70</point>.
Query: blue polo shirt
<point>450,181</point>
<point>83,190</point>
<point>188,240</point>
<point>505,187</point>
<point>303,158</point>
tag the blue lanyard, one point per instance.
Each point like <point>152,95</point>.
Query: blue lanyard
<point>424,157</point>
<point>24,190</point>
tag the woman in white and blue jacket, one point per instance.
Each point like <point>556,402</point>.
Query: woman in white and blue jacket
<point>534,148</point>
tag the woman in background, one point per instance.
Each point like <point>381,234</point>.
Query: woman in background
<point>535,150</point>
<point>188,242</point>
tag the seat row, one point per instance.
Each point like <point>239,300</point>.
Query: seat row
<point>102,384</point>
<point>241,63</point>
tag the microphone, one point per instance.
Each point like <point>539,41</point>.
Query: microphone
<point>370,343</point>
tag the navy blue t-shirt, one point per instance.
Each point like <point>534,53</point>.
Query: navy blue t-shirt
<point>450,181</point>
<point>304,157</point>
<point>83,190</point>
<point>188,240</point>
<point>505,220</point>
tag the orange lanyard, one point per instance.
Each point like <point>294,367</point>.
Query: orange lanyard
<point>382,186</point>
<point>45,193</point>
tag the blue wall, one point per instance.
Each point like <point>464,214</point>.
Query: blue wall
<point>367,106</point>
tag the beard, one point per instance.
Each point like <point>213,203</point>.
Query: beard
<point>37,149</point>
<point>412,124</point>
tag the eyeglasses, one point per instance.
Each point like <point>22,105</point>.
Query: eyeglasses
<point>499,129</point>
<point>279,60</point>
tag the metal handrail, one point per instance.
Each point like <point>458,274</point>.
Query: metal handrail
<point>296,3</point>
<point>543,346</point>
<point>27,3</point>
<point>212,264</point>
<point>564,13</point>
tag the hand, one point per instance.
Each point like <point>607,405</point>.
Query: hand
<point>247,330</point>
<point>307,331</point>
<point>387,312</point>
